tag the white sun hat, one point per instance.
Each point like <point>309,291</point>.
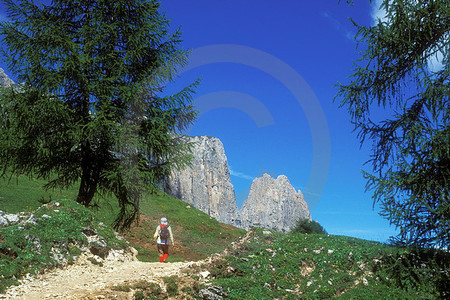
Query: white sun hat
<point>164,221</point>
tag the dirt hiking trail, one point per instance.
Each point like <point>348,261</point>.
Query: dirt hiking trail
<point>87,280</point>
<point>92,278</point>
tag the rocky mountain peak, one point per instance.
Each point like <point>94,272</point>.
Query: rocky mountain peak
<point>273,203</point>
<point>5,81</point>
<point>206,184</point>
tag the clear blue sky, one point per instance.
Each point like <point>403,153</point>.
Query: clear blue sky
<point>268,71</point>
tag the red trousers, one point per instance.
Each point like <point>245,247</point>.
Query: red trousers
<point>163,251</point>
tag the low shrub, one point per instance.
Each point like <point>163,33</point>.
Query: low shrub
<point>309,227</point>
<point>171,286</point>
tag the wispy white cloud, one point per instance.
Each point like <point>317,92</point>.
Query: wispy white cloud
<point>435,63</point>
<point>338,26</point>
<point>378,13</point>
<point>241,175</point>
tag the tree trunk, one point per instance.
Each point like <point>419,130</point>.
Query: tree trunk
<point>88,187</point>
<point>89,176</point>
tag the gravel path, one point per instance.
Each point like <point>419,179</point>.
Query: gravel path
<point>84,280</point>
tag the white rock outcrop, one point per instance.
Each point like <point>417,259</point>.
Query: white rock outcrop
<point>273,203</point>
<point>206,185</point>
<point>5,81</point>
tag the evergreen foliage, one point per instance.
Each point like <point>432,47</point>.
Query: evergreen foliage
<point>309,227</point>
<point>91,108</point>
<point>402,106</point>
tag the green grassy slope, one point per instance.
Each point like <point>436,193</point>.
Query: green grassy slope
<point>268,266</point>
<point>302,266</point>
<point>21,193</point>
<point>196,234</point>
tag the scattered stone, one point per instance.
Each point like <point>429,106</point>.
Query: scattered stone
<point>267,286</point>
<point>12,219</point>
<point>267,232</point>
<point>31,221</point>
<point>214,292</point>
<point>3,221</point>
<point>205,274</point>
<point>37,246</point>
<point>99,248</point>
<point>330,251</point>
<point>365,281</point>
<point>88,231</point>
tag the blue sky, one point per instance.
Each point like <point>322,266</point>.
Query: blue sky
<point>268,71</point>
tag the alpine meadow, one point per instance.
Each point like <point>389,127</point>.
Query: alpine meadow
<point>312,162</point>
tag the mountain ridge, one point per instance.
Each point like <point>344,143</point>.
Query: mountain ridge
<point>272,203</point>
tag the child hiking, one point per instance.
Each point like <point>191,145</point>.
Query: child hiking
<point>164,237</point>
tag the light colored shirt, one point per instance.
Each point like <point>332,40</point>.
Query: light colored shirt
<point>158,237</point>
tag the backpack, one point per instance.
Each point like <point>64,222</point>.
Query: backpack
<point>164,232</point>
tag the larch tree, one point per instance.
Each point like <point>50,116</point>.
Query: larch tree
<point>401,105</point>
<point>91,107</point>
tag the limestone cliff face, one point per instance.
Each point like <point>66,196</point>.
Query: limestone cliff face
<point>5,81</point>
<point>206,185</point>
<point>273,203</point>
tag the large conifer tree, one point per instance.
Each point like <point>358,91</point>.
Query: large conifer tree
<point>89,109</point>
<point>401,105</point>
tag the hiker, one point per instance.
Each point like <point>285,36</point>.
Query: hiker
<point>164,237</point>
